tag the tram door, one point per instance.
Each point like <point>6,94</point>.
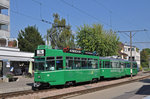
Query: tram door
<point>1,65</point>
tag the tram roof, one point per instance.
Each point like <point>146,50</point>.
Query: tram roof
<point>114,59</point>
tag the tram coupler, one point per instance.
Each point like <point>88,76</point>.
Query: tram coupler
<point>37,84</point>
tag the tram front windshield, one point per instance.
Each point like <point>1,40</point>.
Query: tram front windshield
<point>39,66</point>
<point>45,66</point>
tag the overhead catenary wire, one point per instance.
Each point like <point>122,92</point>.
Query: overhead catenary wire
<point>97,2</point>
<point>31,17</point>
<point>110,12</point>
<point>44,5</point>
<point>40,7</point>
<point>34,18</point>
<point>84,12</point>
<point>148,36</point>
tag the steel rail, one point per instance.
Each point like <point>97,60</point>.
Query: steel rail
<point>27,92</point>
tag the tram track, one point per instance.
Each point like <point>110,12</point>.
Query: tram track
<point>76,93</point>
<point>81,92</point>
<point>21,93</point>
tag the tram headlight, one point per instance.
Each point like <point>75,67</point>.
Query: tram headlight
<point>39,76</point>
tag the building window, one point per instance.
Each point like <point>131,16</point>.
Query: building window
<point>132,49</point>
<point>3,27</point>
<point>125,49</point>
<point>128,49</point>
<point>133,58</point>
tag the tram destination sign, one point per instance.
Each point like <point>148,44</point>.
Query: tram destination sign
<point>68,50</point>
<point>88,53</point>
<point>40,52</point>
<point>75,51</point>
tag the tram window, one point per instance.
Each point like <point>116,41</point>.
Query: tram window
<point>125,65</point>
<point>128,65</point>
<point>35,66</point>
<point>90,63</point>
<point>103,64</point>
<point>71,57</point>
<point>59,57</point>
<point>110,64</point>
<point>67,57</point>
<point>50,58</point>
<point>107,64</point>
<point>121,65</point>
<point>100,64</point>
<point>118,66</point>
<point>59,64</point>
<point>39,59</point>
<point>39,66</point>
<point>134,65</point>
<point>50,65</point>
<point>95,64</point>
<point>69,62</point>
<point>89,58</point>
<point>84,63</point>
<point>77,64</point>
<point>113,64</point>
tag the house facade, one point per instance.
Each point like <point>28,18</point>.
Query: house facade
<point>10,54</point>
<point>135,53</point>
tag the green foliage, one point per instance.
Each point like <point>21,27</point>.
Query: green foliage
<point>94,38</point>
<point>141,68</point>
<point>29,39</point>
<point>60,33</point>
<point>9,75</point>
<point>144,57</point>
<point>147,69</point>
<point>137,49</point>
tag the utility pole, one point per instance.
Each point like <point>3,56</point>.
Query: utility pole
<point>131,53</point>
<point>131,35</point>
<point>149,60</point>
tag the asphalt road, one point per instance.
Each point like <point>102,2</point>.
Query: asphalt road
<point>136,90</point>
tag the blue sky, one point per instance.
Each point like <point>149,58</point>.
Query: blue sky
<point>112,14</point>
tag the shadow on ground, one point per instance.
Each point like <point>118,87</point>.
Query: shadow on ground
<point>144,90</point>
<point>145,81</point>
<point>29,84</point>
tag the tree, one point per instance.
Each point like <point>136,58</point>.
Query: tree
<point>60,34</point>
<point>29,39</point>
<point>144,57</point>
<point>95,38</point>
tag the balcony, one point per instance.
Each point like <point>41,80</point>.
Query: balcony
<point>4,33</point>
<point>4,19</point>
<point>4,4</point>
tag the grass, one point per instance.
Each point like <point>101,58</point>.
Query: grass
<point>146,69</point>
